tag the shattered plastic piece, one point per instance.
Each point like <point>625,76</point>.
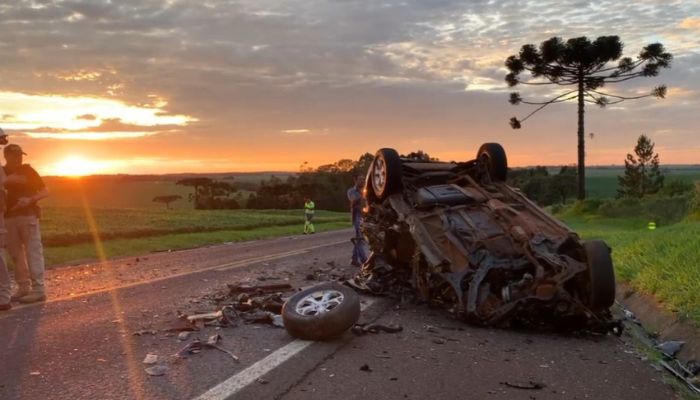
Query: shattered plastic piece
<point>213,339</point>
<point>157,370</point>
<point>670,348</point>
<point>150,359</point>
<point>193,347</point>
<point>277,321</point>
<point>196,347</point>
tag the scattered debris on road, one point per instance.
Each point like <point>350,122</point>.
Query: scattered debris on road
<point>150,359</point>
<point>680,372</point>
<point>670,348</point>
<point>196,346</point>
<point>157,370</point>
<point>366,368</point>
<point>363,329</point>
<point>529,385</point>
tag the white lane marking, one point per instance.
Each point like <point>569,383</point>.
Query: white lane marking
<point>219,267</point>
<point>234,384</point>
<point>228,388</point>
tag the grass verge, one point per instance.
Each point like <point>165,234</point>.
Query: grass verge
<point>136,246</point>
<point>664,262</point>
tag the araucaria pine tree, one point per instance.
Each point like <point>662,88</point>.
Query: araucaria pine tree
<point>642,175</point>
<point>585,66</point>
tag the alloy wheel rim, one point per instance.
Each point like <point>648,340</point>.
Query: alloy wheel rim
<point>319,302</point>
<point>379,175</point>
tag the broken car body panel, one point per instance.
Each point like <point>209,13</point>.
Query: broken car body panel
<point>456,234</point>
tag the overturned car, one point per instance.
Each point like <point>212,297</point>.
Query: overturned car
<point>455,234</point>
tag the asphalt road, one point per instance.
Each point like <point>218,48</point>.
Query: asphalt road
<point>81,343</point>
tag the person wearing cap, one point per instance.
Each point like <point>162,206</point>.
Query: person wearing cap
<point>24,190</point>
<point>5,283</point>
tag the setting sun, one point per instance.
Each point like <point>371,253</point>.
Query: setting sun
<point>75,166</point>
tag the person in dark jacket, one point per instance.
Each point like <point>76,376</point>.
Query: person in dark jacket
<point>24,190</point>
<point>355,198</point>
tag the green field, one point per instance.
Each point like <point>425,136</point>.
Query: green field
<point>601,182</point>
<point>664,262</point>
<point>134,191</point>
<point>67,233</point>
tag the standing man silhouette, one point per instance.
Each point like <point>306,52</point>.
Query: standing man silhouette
<point>24,190</point>
<point>355,197</point>
<point>5,283</point>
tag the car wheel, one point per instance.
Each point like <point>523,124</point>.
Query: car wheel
<point>494,158</point>
<point>386,173</point>
<point>321,312</point>
<point>601,275</point>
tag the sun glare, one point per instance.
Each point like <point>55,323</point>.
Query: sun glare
<point>75,166</point>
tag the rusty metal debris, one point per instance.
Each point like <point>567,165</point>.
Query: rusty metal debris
<point>247,304</point>
<point>681,373</point>
<point>455,234</point>
<point>196,346</point>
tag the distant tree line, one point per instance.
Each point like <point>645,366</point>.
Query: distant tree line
<point>326,185</point>
<point>542,187</point>
<point>210,194</point>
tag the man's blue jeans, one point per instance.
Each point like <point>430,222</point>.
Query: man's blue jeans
<point>358,251</point>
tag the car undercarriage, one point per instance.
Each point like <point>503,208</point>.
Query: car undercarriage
<point>455,234</point>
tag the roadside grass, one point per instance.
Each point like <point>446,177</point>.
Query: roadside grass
<point>65,226</point>
<point>664,262</point>
<point>67,236</point>
<point>57,255</point>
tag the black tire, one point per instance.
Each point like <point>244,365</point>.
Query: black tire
<point>493,155</point>
<point>312,325</point>
<point>601,275</point>
<point>385,174</point>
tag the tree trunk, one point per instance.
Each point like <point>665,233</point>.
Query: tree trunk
<point>581,144</point>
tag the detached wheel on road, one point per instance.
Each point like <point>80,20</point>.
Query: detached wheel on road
<point>385,174</point>
<point>321,312</point>
<point>494,158</point>
<point>601,275</point>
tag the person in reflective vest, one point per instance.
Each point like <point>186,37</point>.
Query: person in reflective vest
<point>309,216</point>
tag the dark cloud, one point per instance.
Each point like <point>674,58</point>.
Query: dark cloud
<point>254,67</point>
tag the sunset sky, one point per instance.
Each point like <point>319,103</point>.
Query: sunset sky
<point>157,86</point>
